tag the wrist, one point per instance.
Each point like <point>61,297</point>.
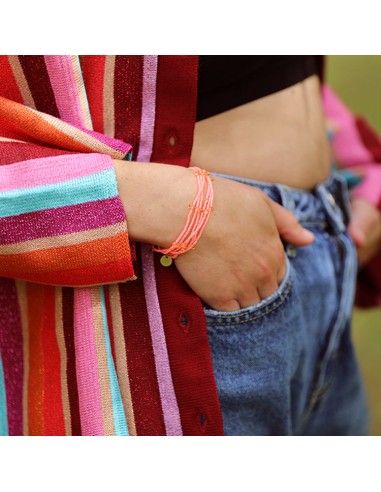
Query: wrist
<point>155,198</point>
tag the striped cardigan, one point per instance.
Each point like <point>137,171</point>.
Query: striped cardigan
<point>96,337</point>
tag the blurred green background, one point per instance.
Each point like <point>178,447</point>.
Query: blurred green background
<point>357,80</point>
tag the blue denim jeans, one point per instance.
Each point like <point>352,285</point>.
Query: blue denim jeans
<point>286,366</point>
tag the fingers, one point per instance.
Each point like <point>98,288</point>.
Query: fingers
<point>232,305</point>
<point>288,226</point>
<point>265,288</point>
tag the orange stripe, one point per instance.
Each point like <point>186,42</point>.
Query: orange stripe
<point>109,320</point>
<point>103,370</point>
<point>108,96</point>
<point>54,424</point>
<point>85,255</point>
<point>109,273</point>
<point>29,122</point>
<point>36,363</point>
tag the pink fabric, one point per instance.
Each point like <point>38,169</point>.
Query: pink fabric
<point>49,170</point>
<point>65,88</point>
<point>349,148</point>
<point>148,108</point>
<point>90,404</point>
<point>370,187</point>
<point>347,141</point>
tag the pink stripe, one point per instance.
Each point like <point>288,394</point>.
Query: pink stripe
<point>11,348</point>
<point>169,404</point>
<point>89,395</point>
<point>148,108</point>
<point>49,170</point>
<point>64,86</point>
<point>62,220</point>
<point>113,143</point>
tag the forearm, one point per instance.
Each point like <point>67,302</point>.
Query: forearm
<point>155,198</point>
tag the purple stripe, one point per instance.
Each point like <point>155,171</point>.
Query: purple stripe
<point>169,404</point>
<point>61,220</point>
<point>11,348</point>
<point>148,108</point>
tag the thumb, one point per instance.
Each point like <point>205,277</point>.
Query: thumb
<point>357,234</point>
<point>288,227</point>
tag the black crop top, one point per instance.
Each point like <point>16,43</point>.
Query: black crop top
<point>225,82</point>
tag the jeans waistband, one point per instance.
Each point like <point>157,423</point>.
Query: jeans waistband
<point>327,203</point>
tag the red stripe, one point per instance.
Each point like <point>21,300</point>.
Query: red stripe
<point>93,68</point>
<point>11,349</point>
<point>68,326</point>
<point>128,86</point>
<point>189,354</point>
<point>140,359</point>
<point>12,152</point>
<point>175,114</point>
<point>188,346</point>
<point>36,74</point>
<point>54,424</point>
<point>8,86</point>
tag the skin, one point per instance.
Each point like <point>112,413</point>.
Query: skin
<point>239,259</point>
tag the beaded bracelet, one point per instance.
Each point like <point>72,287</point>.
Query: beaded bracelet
<point>198,216</point>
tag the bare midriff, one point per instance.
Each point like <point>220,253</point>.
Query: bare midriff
<point>280,138</point>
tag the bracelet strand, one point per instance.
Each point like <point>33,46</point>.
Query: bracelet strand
<point>199,212</point>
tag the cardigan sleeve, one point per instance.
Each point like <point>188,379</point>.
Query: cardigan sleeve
<point>61,218</point>
<point>358,146</point>
<point>350,145</point>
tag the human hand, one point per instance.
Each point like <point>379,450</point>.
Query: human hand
<point>365,229</point>
<point>240,259</point>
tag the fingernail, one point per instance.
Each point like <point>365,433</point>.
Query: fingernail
<point>309,235</point>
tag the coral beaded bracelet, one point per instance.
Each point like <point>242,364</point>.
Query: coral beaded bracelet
<point>198,216</point>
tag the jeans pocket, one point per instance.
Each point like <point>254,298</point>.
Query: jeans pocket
<point>256,311</point>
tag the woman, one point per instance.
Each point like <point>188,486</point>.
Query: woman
<point>85,352</point>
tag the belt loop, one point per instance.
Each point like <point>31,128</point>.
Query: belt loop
<point>286,197</point>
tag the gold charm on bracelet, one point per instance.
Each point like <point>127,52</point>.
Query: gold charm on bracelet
<point>166,260</point>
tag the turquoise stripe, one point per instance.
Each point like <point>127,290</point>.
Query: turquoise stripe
<point>3,403</point>
<point>97,186</point>
<point>120,421</point>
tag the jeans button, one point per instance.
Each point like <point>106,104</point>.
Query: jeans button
<point>331,200</point>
